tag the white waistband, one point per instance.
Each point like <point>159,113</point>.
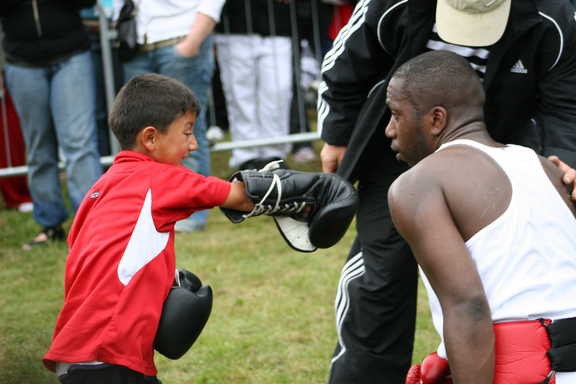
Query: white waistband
<point>62,368</point>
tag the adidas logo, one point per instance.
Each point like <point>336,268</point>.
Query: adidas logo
<point>518,68</point>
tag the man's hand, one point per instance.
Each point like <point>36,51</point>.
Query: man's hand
<point>331,156</point>
<point>189,47</point>
<point>569,177</point>
<point>202,27</point>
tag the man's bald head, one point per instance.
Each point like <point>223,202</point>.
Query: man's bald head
<point>442,78</point>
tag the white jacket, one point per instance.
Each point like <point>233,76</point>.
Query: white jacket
<point>160,20</point>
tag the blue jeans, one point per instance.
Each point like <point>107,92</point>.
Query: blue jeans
<point>196,73</point>
<point>55,104</point>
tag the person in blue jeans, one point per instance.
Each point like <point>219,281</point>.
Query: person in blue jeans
<point>176,41</point>
<point>49,75</point>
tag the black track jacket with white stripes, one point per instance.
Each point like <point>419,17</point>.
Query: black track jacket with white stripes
<point>383,34</point>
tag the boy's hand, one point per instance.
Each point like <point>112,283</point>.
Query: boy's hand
<point>569,177</point>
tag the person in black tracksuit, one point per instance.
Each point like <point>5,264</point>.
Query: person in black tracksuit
<point>530,80</point>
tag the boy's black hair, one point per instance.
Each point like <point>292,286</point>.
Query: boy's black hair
<point>149,100</point>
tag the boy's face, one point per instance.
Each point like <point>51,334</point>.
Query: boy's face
<point>177,142</point>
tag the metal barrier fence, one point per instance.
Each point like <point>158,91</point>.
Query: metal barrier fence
<point>108,35</point>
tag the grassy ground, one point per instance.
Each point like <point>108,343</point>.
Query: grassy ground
<point>273,316</point>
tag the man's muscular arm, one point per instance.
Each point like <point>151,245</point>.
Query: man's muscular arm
<point>422,216</point>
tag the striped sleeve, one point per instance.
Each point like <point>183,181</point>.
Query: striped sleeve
<point>349,70</point>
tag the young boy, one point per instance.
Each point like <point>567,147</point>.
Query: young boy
<point>121,263</point>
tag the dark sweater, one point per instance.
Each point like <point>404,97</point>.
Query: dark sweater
<point>540,33</point>
<point>260,17</point>
<point>39,32</point>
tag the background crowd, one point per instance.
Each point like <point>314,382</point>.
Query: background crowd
<point>256,60</point>
<point>237,56</point>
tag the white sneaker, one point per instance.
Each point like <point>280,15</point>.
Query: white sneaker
<point>214,133</point>
<point>26,207</point>
<point>304,155</point>
<point>187,226</point>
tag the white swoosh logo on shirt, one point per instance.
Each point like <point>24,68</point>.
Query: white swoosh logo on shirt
<point>144,245</point>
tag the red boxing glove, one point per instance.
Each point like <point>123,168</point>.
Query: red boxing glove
<point>434,370</point>
<point>414,375</point>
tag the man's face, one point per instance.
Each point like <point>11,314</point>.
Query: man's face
<point>405,128</point>
<point>178,141</point>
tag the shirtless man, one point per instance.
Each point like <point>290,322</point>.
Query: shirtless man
<point>497,250</point>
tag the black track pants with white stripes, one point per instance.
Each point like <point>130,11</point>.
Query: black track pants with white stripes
<point>376,297</point>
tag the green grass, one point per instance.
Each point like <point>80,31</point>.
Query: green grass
<point>273,315</point>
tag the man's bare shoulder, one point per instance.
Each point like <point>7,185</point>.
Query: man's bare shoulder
<point>433,170</point>
<point>417,186</point>
<point>434,178</point>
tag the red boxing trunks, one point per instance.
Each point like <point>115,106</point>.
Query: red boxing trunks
<point>521,357</point>
<point>521,353</point>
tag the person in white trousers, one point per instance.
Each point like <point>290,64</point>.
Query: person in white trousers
<point>254,52</point>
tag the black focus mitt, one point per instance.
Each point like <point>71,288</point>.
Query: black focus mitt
<point>312,210</point>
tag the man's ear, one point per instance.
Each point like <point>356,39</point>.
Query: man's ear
<point>148,138</point>
<point>438,120</point>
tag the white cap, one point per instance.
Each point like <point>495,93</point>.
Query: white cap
<point>474,23</point>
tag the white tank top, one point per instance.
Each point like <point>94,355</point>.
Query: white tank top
<point>526,258</point>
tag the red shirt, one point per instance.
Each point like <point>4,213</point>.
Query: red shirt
<point>121,262</point>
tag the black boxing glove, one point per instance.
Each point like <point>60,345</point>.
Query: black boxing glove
<point>187,279</point>
<point>185,313</point>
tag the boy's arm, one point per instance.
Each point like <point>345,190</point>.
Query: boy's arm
<point>422,216</point>
<point>238,199</point>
